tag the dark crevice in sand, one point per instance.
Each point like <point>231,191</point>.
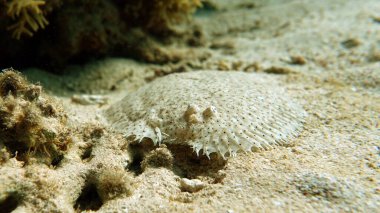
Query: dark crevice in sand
<point>88,200</point>
<point>138,153</point>
<point>181,159</point>
<point>135,166</point>
<point>9,204</point>
<point>190,165</point>
<point>87,154</point>
<point>57,160</point>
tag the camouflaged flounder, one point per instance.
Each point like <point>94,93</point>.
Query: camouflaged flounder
<point>212,111</point>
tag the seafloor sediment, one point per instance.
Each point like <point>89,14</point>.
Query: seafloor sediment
<point>325,54</point>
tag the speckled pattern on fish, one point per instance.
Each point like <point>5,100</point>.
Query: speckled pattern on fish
<point>212,111</point>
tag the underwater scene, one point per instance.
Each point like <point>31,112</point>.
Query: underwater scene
<point>189,106</point>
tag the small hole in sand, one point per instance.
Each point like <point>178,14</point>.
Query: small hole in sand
<point>9,204</point>
<point>87,153</point>
<point>88,200</point>
<point>188,165</point>
<point>55,162</point>
<point>135,166</point>
<point>139,150</point>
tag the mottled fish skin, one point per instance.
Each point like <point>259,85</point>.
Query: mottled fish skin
<point>212,111</point>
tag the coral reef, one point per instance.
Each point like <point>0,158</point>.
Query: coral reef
<point>30,123</point>
<point>203,111</point>
<point>29,17</point>
<point>159,15</point>
<point>77,31</point>
<point>26,17</point>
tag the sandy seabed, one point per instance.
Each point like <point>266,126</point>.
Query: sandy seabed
<point>327,56</point>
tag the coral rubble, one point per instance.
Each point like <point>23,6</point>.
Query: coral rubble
<point>30,123</point>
